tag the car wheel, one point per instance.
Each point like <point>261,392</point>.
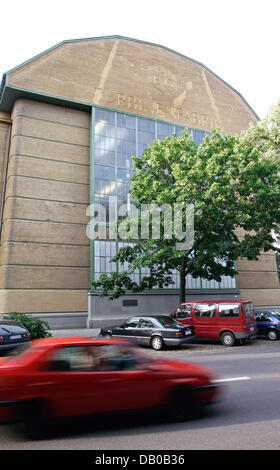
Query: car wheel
<point>107,334</point>
<point>272,335</point>
<point>228,339</point>
<point>182,405</point>
<point>157,343</point>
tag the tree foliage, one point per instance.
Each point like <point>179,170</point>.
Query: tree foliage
<point>266,134</point>
<point>235,193</point>
<point>36,327</point>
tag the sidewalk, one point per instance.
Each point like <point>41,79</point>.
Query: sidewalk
<point>91,332</point>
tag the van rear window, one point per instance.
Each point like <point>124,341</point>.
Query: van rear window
<point>229,310</point>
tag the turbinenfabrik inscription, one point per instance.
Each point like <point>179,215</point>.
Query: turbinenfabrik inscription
<point>166,97</point>
<point>134,104</point>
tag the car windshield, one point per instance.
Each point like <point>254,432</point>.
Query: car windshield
<point>276,315</point>
<point>248,309</point>
<point>168,322</point>
<point>19,350</point>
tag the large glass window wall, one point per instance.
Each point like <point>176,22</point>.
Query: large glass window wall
<point>116,137</point>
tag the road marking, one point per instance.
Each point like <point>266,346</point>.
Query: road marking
<point>232,379</point>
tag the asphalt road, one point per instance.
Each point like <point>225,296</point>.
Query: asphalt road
<point>246,418</point>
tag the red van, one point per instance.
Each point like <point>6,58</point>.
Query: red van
<point>227,320</point>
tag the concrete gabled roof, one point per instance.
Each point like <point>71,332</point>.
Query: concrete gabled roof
<point>16,83</point>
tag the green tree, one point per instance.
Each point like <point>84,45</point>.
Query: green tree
<point>36,327</point>
<point>266,134</point>
<point>236,205</point>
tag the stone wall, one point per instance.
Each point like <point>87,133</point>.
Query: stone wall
<point>45,252</point>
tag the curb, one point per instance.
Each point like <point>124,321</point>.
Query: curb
<point>90,332</point>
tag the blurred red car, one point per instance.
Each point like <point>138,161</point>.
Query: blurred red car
<point>63,377</point>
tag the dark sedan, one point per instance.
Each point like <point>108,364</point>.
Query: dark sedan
<point>155,331</point>
<point>12,333</point>
<point>268,324</point>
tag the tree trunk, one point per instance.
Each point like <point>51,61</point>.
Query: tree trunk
<point>183,280</point>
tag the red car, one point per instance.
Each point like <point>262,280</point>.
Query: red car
<point>73,376</point>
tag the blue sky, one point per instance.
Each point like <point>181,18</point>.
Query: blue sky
<point>238,40</point>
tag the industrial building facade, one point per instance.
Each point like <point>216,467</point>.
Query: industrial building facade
<point>70,119</point>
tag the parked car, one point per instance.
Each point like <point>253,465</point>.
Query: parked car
<point>268,324</point>
<point>78,376</point>
<point>12,334</point>
<point>155,331</point>
<point>228,321</point>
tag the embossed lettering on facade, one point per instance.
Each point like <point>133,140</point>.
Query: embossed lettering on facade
<point>133,104</point>
<point>166,80</point>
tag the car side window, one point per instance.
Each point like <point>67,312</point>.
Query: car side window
<point>184,311</point>
<point>229,310</point>
<point>131,324</point>
<point>73,358</point>
<point>145,324</point>
<point>101,358</point>
<point>114,357</point>
<point>205,310</point>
